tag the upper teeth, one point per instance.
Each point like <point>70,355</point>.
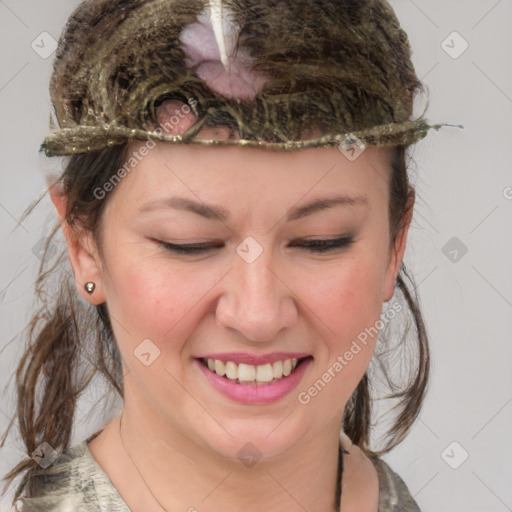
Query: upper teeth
<point>249,373</point>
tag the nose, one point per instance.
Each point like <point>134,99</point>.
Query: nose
<point>256,300</point>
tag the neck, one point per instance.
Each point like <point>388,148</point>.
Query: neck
<point>163,460</point>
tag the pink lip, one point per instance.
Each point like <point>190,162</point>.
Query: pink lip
<point>245,357</point>
<point>254,394</point>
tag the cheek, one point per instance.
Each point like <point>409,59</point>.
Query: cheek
<point>157,299</point>
<point>346,298</point>
<point>347,305</point>
<point>152,299</point>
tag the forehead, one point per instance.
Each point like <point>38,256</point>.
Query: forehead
<point>233,174</point>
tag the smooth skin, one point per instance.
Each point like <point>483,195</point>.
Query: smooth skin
<point>183,435</point>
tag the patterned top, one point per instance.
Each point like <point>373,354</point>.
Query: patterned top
<point>75,482</point>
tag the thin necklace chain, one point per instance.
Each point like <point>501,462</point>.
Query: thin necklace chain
<point>136,467</point>
<point>337,501</point>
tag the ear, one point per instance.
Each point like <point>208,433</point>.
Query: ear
<point>82,251</point>
<point>398,250</point>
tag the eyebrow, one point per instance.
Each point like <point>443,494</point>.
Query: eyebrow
<point>215,212</point>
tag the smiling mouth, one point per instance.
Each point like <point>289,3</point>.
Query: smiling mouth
<point>248,374</point>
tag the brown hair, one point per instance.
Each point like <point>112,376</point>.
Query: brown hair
<point>58,358</point>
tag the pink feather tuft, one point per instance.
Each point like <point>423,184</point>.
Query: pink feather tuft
<point>210,42</point>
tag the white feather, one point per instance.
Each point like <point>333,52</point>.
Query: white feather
<point>217,19</point>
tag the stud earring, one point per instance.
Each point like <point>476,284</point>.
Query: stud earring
<point>89,287</point>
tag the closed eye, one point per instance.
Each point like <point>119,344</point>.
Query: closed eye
<point>326,244</point>
<point>188,248</point>
<point>316,245</point>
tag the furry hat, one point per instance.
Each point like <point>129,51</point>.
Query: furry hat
<point>281,74</point>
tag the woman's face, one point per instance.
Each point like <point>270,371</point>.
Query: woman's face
<point>258,290</point>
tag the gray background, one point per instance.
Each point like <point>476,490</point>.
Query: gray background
<point>464,186</point>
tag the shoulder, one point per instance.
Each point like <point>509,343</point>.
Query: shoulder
<point>394,496</point>
<point>376,480</point>
<point>73,482</point>
<point>359,482</point>
<point>59,486</point>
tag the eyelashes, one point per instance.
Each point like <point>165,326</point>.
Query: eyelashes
<point>326,244</point>
<point>188,248</point>
<point>315,246</point>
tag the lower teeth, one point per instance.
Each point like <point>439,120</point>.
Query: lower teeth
<point>252,382</point>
